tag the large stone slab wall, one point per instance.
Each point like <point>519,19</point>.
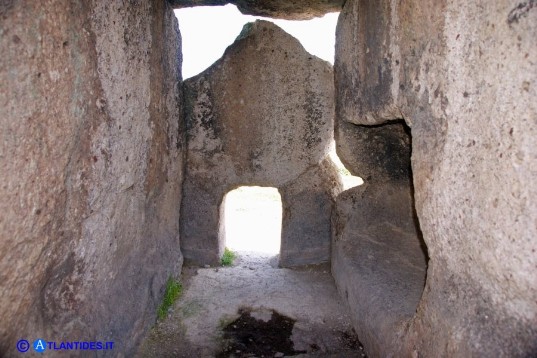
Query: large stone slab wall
<point>307,203</point>
<point>462,76</point>
<point>261,115</point>
<point>378,257</point>
<point>91,155</point>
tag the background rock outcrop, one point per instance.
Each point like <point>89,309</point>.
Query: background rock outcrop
<point>282,9</point>
<point>462,76</point>
<point>91,157</point>
<point>261,115</point>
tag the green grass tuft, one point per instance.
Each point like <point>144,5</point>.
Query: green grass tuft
<point>173,291</point>
<point>344,172</point>
<point>227,257</point>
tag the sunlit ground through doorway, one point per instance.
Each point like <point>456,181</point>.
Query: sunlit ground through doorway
<point>253,220</point>
<point>253,215</point>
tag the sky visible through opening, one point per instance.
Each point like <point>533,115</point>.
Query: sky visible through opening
<point>253,215</point>
<point>207,31</point>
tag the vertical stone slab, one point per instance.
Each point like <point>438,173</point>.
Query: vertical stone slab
<point>139,59</point>
<point>261,115</point>
<point>379,261</point>
<point>201,221</point>
<point>307,204</point>
<point>91,152</point>
<point>368,62</point>
<point>474,159</point>
<point>467,89</point>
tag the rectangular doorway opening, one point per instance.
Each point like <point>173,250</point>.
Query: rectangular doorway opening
<point>253,220</point>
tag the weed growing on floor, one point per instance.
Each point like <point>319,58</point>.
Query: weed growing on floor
<point>227,257</point>
<point>173,291</point>
<point>344,172</point>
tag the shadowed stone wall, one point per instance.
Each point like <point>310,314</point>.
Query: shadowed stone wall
<point>261,115</point>
<point>378,256</point>
<point>462,76</point>
<point>91,158</point>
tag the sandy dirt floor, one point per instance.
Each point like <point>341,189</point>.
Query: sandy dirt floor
<point>214,297</point>
<point>254,308</point>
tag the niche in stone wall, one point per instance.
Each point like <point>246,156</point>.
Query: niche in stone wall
<point>379,258</point>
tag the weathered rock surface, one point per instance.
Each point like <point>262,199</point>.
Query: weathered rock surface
<point>368,63</point>
<point>307,208</point>
<point>379,154</point>
<point>462,75</point>
<point>378,262</point>
<point>261,115</point>
<point>283,9</point>
<point>91,159</point>
<point>378,258</point>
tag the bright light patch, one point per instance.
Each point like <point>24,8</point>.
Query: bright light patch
<point>349,180</point>
<point>253,220</point>
<point>207,31</point>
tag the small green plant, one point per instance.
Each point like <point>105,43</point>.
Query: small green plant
<point>344,171</point>
<point>227,257</point>
<point>173,291</point>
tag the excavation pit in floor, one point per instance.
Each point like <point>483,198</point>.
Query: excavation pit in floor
<point>249,335</point>
<point>267,333</point>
